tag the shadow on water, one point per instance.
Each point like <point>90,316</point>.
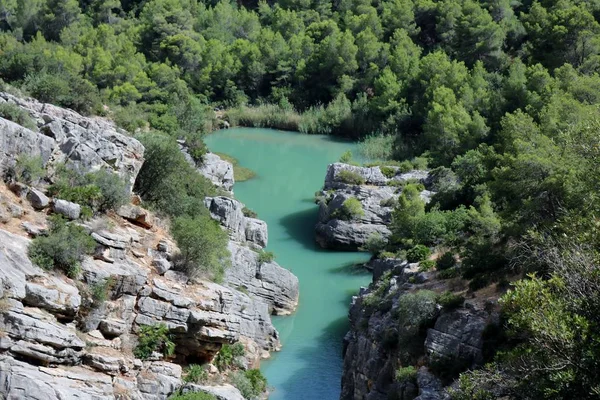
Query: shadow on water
<point>312,382</point>
<point>301,227</point>
<point>351,268</point>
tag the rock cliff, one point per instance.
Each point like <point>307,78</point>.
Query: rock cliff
<point>376,193</point>
<point>58,338</point>
<point>398,322</point>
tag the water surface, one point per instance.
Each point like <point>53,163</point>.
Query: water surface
<point>290,167</point>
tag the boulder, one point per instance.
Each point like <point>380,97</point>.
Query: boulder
<point>137,215</point>
<point>228,212</point>
<point>218,171</point>
<point>70,210</point>
<point>256,232</point>
<point>38,200</point>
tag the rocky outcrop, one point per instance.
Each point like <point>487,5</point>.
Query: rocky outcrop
<point>377,196</point>
<point>65,136</point>
<point>213,167</point>
<point>268,281</point>
<point>56,341</point>
<point>380,341</point>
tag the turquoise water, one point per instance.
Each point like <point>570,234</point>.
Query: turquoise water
<point>290,167</point>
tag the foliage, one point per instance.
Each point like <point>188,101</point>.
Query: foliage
<point>154,338</point>
<point>249,213</point>
<point>346,157</point>
<point>240,174</point>
<point>449,273</point>
<point>202,245</point>
<point>445,261</point>
<point>406,374</point>
<point>375,244</point>
<point>29,170</point>
<point>101,291</point>
<point>416,309</point>
<point>418,253</point>
<point>426,265</point>
<point>350,177</point>
<point>193,396</point>
<point>265,256</point>
<point>250,383</point>
<point>226,357</point>
<point>195,373</point>
<point>100,190</point>
<point>63,248</point>
<point>450,301</point>
<point>376,147</point>
<point>351,209</point>
<point>16,114</point>
<point>389,172</point>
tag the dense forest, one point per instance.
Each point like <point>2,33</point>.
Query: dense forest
<point>499,97</point>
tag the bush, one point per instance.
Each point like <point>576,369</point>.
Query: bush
<point>249,213</point>
<point>450,301</point>
<point>390,202</point>
<point>202,245</point>
<point>154,338</point>
<point>426,265</point>
<point>29,170</point>
<point>265,256</point>
<point>100,291</point>
<point>16,114</point>
<point>193,396</point>
<point>100,190</point>
<point>375,244</point>
<point>449,273</point>
<point>350,177</point>
<point>195,374</point>
<point>227,355</point>
<point>405,166</point>
<point>416,309</point>
<point>418,253</point>
<point>265,116</point>
<point>351,209</point>
<point>250,383</point>
<point>389,172</point>
<point>479,282</point>
<point>64,247</point>
<point>406,374</point>
<point>377,147</point>
<point>446,261</point>
<point>346,157</point>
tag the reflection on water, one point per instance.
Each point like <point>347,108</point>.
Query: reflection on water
<point>291,168</point>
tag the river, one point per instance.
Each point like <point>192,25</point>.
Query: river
<point>290,167</point>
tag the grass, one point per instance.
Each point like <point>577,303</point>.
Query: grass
<point>240,174</point>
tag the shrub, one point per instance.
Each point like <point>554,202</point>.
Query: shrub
<point>350,177</point>
<point>389,172</point>
<point>450,301</point>
<point>250,383</point>
<point>64,247</point>
<point>202,245</point>
<point>100,190</point>
<point>249,213</point>
<point>420,162</point>
<point>377,147</point>
<point>416,309</point>
<point>193,396</point>
<point>390,202</point>
<point>479,282</point>
<point>195,374</point>
<point>154,338</point>
<point>265,116</point>
<point>228,354</point>
<point>16,114</point>
<point>29,170</point>
<point>449,273</point>
<point>375,244</point>
<point>426,265</point>
<point>346,157</point>
<point>101,290</point>
<point>265,256</point>
<point>196,148</point>
<point>446,261</point>
<point>351,209</point>
<point>418,253</point>
<point>405,166</point>
<point>406,374</point>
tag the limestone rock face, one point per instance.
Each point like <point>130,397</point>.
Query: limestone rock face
<point>217,170</point>
<point>222,392</point>
<point>372,350</point>
<point>271,283</point>
<point>67,208</point>
<point>87,143</point>
<point>377,199</point>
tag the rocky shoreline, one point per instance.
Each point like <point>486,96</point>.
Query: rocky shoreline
<point>56,342</point>
<point>389,353</point>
